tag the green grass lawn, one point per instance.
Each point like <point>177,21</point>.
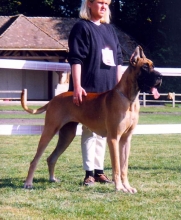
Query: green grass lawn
<point>159,119</point>
<point>154,169</point>
<point>15,107</point>
<point>22,116</point>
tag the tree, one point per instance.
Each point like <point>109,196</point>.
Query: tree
<point>9,7</point>
<point>115,11</point>
<point>157,25</point>
<point>60,8</point>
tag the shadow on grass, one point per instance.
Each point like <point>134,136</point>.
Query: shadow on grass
<point>17,183</point>
<point>68,185</point>
<point>76,180</point>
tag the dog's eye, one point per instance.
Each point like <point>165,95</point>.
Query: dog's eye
<point>145,67</point>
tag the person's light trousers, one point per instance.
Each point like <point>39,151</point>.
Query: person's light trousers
<point>93,150</point>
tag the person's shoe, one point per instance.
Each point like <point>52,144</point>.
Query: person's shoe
<point>102,178</point>
<point>89,181</point>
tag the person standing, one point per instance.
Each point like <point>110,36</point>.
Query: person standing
<point>95,57</point>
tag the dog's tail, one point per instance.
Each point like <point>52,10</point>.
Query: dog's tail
<point>31,111</point>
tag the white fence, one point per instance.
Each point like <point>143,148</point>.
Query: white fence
<point>10,92</point>
<point>164,98</point>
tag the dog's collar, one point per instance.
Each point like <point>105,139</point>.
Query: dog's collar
<point>123,95</point>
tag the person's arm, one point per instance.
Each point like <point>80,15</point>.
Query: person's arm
<point>78,90</point>
<point>119,72</point>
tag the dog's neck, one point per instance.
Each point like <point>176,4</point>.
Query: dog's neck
<point>123,95</point>
<point>124,90</point>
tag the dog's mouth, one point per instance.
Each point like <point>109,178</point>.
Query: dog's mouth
<point>155,93</point>
<point>158,83</point>
<point>150,82</point>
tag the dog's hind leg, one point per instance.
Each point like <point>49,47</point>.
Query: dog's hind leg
<point>46,137</point>
<point>66,135</point>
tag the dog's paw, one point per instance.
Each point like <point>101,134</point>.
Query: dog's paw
<point>121,189</point>
<point>126,188</point>
<point>28,186</point>
<point>130,189</point>
<point>54,180</point>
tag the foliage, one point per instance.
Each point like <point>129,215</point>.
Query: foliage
<point>9,7</point>
<point>171,84</point>
<point>61,8</point>
<point>157,25</point>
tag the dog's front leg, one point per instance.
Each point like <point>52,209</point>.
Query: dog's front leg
<point>115,161</point>
<point>125,145</point>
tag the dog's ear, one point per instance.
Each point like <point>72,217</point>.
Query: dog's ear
<point>138,53</point>
<point>135,56</point>
<point>133,60</point>
<point>142,55</point>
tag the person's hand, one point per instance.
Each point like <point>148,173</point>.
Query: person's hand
<point>77,95</point>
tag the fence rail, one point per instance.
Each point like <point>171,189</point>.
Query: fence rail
<point>10,92</point>
<point>171,99</point>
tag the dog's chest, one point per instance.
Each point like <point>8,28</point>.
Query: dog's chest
<point>130,121</point>
<point>131,117</point>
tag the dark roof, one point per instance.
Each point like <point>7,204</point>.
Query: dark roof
<point>33,33</point>
<point>45,33</point>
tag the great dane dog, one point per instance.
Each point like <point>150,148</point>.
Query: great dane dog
<point>112,114</point>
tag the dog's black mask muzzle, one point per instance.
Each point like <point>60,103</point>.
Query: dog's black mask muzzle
<point>148,79</point>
